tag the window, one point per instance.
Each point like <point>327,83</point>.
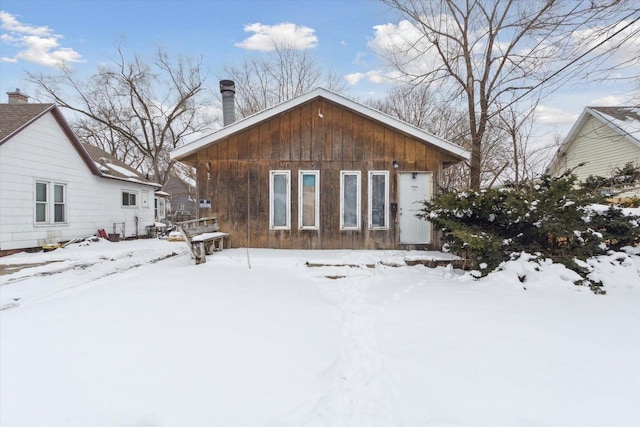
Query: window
<point>128,199</point>
<point>350,200</point>
<point>58,203</point>
<point>279,200</point>
<point>45,210</point>
<point>378,199</point>
<point>309,200</point>
<point>42,202</point>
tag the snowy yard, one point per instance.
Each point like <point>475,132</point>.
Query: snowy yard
<point>117,334</point>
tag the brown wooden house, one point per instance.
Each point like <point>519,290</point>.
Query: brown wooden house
<point>319,172</point>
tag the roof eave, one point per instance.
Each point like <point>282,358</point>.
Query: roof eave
<point>189,149</point>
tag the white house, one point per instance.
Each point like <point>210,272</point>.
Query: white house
<point>52,190</point>
<point>604,138</point>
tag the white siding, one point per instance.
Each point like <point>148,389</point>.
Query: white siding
<point>600,147</point>
<point>43,152</point>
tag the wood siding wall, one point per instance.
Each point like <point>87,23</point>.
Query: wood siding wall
<point>234,175</point>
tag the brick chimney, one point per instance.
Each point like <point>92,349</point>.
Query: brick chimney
<point>17,97</point>
<point>228,91</point>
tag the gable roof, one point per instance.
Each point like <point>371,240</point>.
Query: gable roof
<point>625,120</point>
<point>14,118</point>
<point>111,167</point>
<point>622,120</point>
<point>423,136</point>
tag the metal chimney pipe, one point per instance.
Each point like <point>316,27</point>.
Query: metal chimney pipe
<point>228,91</point>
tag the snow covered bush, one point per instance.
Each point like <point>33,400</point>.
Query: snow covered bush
<point>554,219</point>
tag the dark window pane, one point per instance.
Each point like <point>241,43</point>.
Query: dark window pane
<point>308,200</point>
<point>350,202</point>
<point>280,200</point>
<point>58,196</point>
<point>41,212</point>
<point>378,208</point>
<point>41,192</point>
<point>59,213</point>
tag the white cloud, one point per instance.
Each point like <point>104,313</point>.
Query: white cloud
<point>354,79</point>
<point>405,45</point>
<point>267,37</point>
<point>591,37</point>
<point>554,116</point>
<point>359,58</point>
<point>35,44</point>
<point>609,101</point>
<point>373,76</point>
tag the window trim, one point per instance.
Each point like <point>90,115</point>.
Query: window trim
<point>63,203</point>
<point>45,202</point>
<point>358,176</point>
<point>386,200</point>
<point>129,193</point>
<point>316,214</point>
<point>50,203</point>
<point>272,175</point>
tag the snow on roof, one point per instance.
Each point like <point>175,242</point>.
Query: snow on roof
<point>626,119</point>
<point>110,167</point>
<point>190,148</point>
<point>123,171</point>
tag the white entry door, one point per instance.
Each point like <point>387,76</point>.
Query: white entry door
<point>413,189</point>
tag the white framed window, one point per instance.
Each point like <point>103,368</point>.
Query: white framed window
<point>42,202</point>
<point>59,203</point>
<point>378,200</point>
<point>280,200</point>
<point>129,198</point>
<point>350,200</point>
<point>47,212</point>
<point>309,199</point>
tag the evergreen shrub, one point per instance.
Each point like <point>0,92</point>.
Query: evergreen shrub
<point>553,218</point>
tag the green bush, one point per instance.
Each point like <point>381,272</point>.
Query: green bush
<point>553,218</point>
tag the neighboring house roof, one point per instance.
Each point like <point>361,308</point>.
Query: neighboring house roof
<point>111,167</point>
<point>625,120</point>
<point>622,120</point>
<point>16,117</point>
<point>426,137</point>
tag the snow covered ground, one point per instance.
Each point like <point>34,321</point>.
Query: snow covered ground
<point>134,334</point>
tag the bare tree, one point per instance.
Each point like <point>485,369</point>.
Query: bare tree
<point>101,136</point>
<point>277,76</point>
<point>136,109</point>
<point>419,106</point>
<point>481,52</point>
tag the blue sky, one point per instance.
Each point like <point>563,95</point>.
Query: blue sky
<point>223,32</point>
<point>35,34</point>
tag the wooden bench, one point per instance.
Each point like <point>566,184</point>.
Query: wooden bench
<point>203,236</point>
